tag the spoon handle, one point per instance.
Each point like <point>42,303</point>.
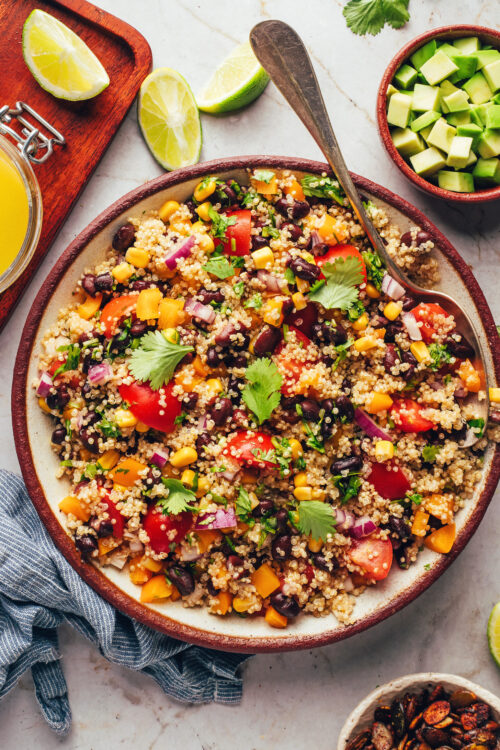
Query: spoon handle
<point>283,55</point>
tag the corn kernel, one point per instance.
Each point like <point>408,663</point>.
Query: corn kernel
<point>314,545</point>
<point>263,257</point>
<point>384,450</point>
<point>300,479</point>
<point>204,189</point>
<point>303,493</point>
<point>392,310</point>
<point>122,272</point>
<point>364,343</point>
<point>89,308</point>
<point>319,495</point>
<point>109,459</point>
<point>153,565</point>
<point>199,227</point>
<point>214,387</point>
<point>494,394</point>
<point>378,402</point>
<point>203,486</point>
<point>202,210</point>
<point>372,291</point>
<point>420,351</point>
<point>141,427</point>
<point>272,312</point>
<point>44,406</point>
<point>167,210</point>
<point>183,457</point>
<point>296,448</point>
<point>299,301</point>
<point>302,285</point>
<point>206,243</point>
<point>188,477</point>
<point>361,323</point>
<point>171,334</point>
<point>241,605</point>
<point>137,257</point>
<point>125,418</point>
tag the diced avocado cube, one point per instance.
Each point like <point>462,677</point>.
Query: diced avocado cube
<point>457,102</point>
<point>475,116</point>
<point>427,162</point>
<point>492,74</point>
<point>485,56</point>
<point>438,67</point>
<point>391,90</point>
<point>446,88</point>
<point>487,170</point>
<point>496,99</point>
<point>407,142</point>
<point>478,89</point>
<point>488,144</point>
<point>458,182</point>
<point>447,49</point>
<point>399,110</point>
<point>471,131</point>
<point>424,120</point>
<point>482,110</point>
<point>441,135</point>
<point>458,118</point>
<point>467,45</point>
<point>425,132</point>
<point>493,116</point>
<point>423,54</point>
<point>472,158</point>
<point>425,98</point>
<point>405,76</point>
<point>458,154</point>
<point>467,65</point>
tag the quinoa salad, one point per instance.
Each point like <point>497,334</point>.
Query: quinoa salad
<point>252,414</point>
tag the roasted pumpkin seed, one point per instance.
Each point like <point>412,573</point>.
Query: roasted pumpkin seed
<point>436,712</point>
<point>382,736</point>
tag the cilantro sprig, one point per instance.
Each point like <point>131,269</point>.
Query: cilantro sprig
<point>375,270</point>
<point>316,519</point>
<point>72,358</point>
<point>179,498</point>
<point>156,359</point>
<point>263,175</point>
<point>339,289</point>
<point>219,266</point>
<point>439,356</point>
<point>243,505</point>
<point>219,223</point>
<point>322,187</point>
<point>370,16</point>
<point>262,393</point>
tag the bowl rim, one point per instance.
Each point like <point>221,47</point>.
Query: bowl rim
<point>443,32</point>
<point>404,683</point>
<point>112,593</point>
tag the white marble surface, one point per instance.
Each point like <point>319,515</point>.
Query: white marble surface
<point>298,699</point>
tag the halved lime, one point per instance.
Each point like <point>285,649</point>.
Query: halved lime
<point>59,60</point>
<point>237,81</point>
<point>494,633</point>
<point>169,119</point>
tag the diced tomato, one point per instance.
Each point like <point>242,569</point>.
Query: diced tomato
<point>303,320</point>
<point>163,529</point>
<point>114,310</point>
<point>247,446</point>
<point>145,405</point>
<point>373,555</point>
<point>405,412</point>
<point>389,480</point>
<point>342,251</point>
<point>73,377</point>
<point>292,367</point>
<point>430,315</point>
<point>114,514</point>
<point>238,240</point>
<point>309,573</point>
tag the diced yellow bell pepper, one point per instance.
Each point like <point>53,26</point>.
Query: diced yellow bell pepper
<point>372,291</point>
<point>200,367</point>
<point>137,257</point>
<point>378,402</point>
<point>299,301</point>
<point>263,187</point>
<point>148,302</point>
<point>420,521</point>
<point>122,272</point>
<point>222,603</point>
<point>138,574</point>
<point>275,619</point>
<point>263,257</point>
<point>89,307</point>
<point>272,312</point>
<point>204,189</point>
<point>72,504</point>
<point>384,450</point>
<point>107,544</point>
<point>207,538</point>
<point>303,286</point>
<point>183,457</point>
<point>153,565</point>
<point>170,313</point>
<point>365,343</point>
<point>168,209</point>
<point>420,351</point>
<point>44,405</point>
<point>392,310</point>
<point>187,379</point>
<point>442,539</point>
<point>156,588</point>
<point>326,226</point>
<point>124,418</point>
<point>109,459</point>
<point>127,472</point>
<point>265,580</point>
<point>494,394</point>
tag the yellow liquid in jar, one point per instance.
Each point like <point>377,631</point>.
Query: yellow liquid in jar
<point>14,212</point>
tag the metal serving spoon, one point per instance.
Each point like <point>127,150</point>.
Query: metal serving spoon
<point>283,55</point>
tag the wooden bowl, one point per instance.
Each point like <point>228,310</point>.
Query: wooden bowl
<point>362,716</point>
<point>38,462</point>
<point>489,36</point>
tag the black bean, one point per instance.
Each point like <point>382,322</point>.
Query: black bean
<point>211,588</point>
<point>140,284</point>
<point>191,207</point>
<point>201,442</point>
<point>104,282</point>
<point>294,210</point>
<point>328,404</point>
<point>58,435</point>
<point>182,579</point>
<point>265,507</point>
<point>281,547</point>
<point>207,296</point>
<point>392,329</point>
<point>235,562</point>
<point>409,359</point>
<point>259,241</point>
<point>267,340</point>
<point>229,194</point>
<point>88,284</point>
<point>87,390</point>
<point>89,439</point>
<point>59,399</point>
<point>352,463</point>
<point>345,408</point>
<point>322,563</point>
<point>213,357</point>
<point>188,358</point>
<point>138,328</point>
<point>326,427</point>
<point>189,401</point>
<point>461,349</point>
<point>390,357</point>
<point>221,411</point>
<point>310,410</point>
<point>420,238</point>
<point>494,417</point>
<point>86,543</point>
<point>234,387</point>
<point>294,230</point>
<point>91,418</point>
<point>124,237</point>
<point>282,519</point>
<point>285,605</point>
<point>235,360</point>
<point>120,342</point>
<point>303,269</point>
<point>408,302</point>
<point>400,527</point>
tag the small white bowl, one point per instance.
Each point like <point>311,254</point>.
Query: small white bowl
<point>362,716</point>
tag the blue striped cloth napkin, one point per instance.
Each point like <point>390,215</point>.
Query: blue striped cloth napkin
<point>39,591</point>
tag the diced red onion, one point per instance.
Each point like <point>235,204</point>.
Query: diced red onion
<point>460,392</point>
<point>188,554</point>
<point>159,459</point>
<point>348,584</point>
<point>229,475</point>
<point>368,425</point>
<point>344,519</point>
<point>182,251</point>
<point>100,373</point>
<point>222,518</point>
<point>363,526</point>
<point>202,422</point>
<point>316,239</point>
<point>392,288</point>
<point>198,310</point>
<point>411,325</point>
<point>272,282</point>
<point>470,438</point>
<point>117,559</point>
<point>135,546</point>
<point>224,335</point>
<point>45,385</point>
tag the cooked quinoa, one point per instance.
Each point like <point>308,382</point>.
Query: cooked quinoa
<point>248,422</point>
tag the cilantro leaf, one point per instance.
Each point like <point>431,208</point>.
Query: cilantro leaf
<point>429,453</point>
<point>262,395</point>
<point>415,498</point>
<point>348,486</point>
<point>341,350</point>
<point>268,231</point>
<point>339,290</point>
<point>109,429</point>
<point>477,425</point>
<point>220,267</point>
<point>375,270</point>
<point>249,198</point>
<point>239,288</point>
<point>370,16</point>
<point>72,358</point>
<point>263,175</point>
<point>179,498</point>
<point>156,359</point>
<point>219,223</point>
<point>356,310</point>
<point>322,187</point>
<point>256,301</point>
<point>439,356</point>
<point>243,504</point>
<point>316,519</point>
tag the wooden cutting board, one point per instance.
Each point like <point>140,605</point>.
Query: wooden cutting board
<point>87,126</point>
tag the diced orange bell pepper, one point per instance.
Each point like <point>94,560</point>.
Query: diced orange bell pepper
<point>187,378</point>
<point>469,376</point>
<point>200,367</point>
<point>106,544</point>
<point>420,521</point>
<point>378,402</point>
<point>126,473</point>
<point>156,588</point>
<point>89,307</point>
<point>223,602</point>
<point>171,313</point>
<point>73,505</point>
<point>295,190</point>
<point>265,580</point>
<point>275,619</point>
<point>206,539</point>
<point>440,506</point>
<point>442,539</point>
<point>137,572</point>
<point>265,188</point>
<point>153,565</point>
<point>175,594</point>
<point>148,302</point>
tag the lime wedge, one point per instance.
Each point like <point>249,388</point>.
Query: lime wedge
<point>236,82</point>
<point>494,633</point>
<point>169,119</point>
<point>59,60</point>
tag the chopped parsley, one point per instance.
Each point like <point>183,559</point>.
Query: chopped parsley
<point>270,232</point>
<point>243,505</point>
<point>439,355</point>
<point>316,519</point>
<point>263,175</point>
<point>256,301</point>
<point>262,393</point>
<point>180,417</point>
<point>370,16</point>
<point>219,223</point>
<point>339,289</point>
<point>355,310</point>
<point>348,486</point>
<point>477,425</point>
<point>415,498</point>
<point>179,498</point>
<point>282,454</point>
<point>322,187</point>
<point>156,359</point>
<point>341,350</point>
<point>219,266</point>
<point>430,452</point>
<point>72,358</point>
<point>374,268</point>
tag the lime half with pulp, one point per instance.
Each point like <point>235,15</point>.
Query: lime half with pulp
<point>169,119</point>
<point>494,633</point>
<point>59,60</point>
<point>236,82</point>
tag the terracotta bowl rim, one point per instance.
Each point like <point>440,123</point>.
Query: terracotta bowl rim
<point>480,196</point>
<point>88,572</point>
